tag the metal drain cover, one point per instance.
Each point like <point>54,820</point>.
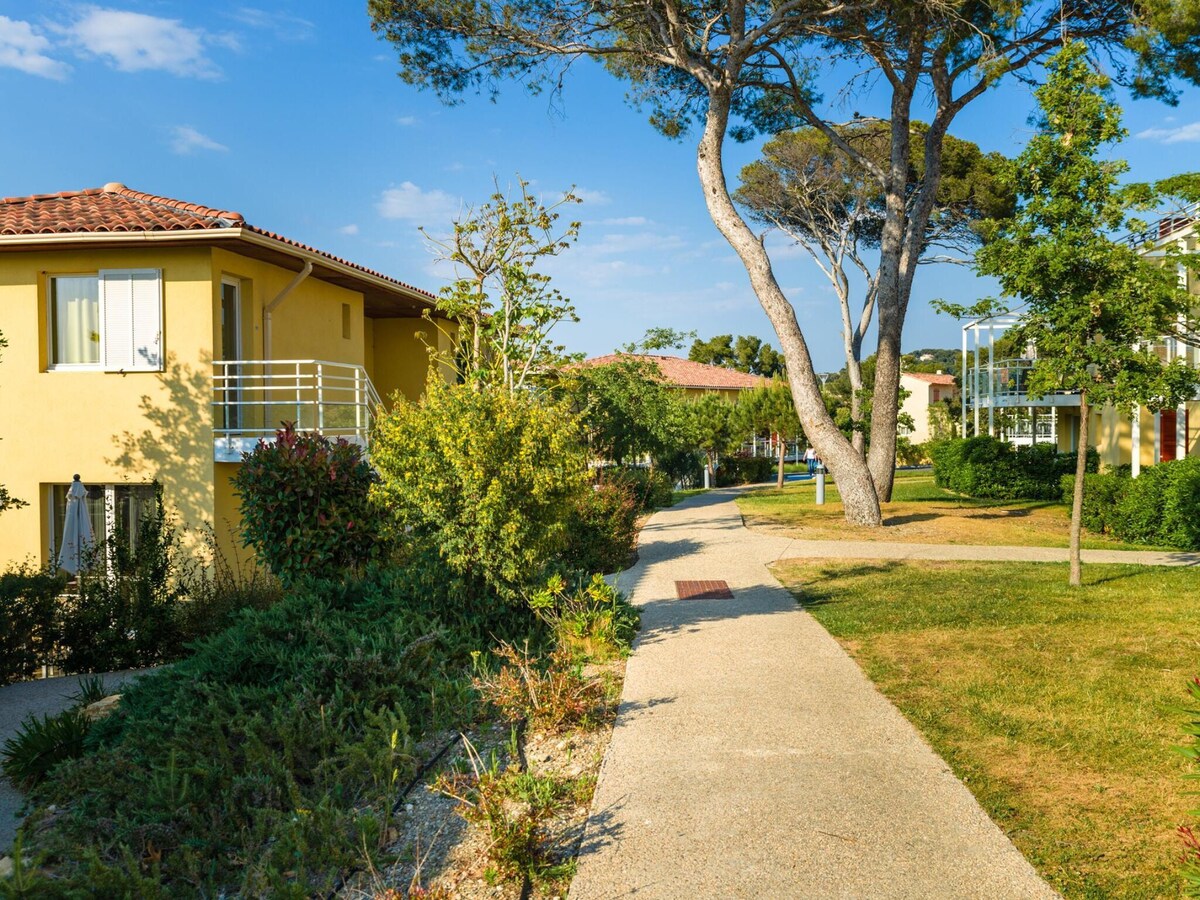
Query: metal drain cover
<point>703,590</point>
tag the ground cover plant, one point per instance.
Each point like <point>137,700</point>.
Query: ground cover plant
<point>266,762</point>
<point>920,512</point>
<point>1058,709</point>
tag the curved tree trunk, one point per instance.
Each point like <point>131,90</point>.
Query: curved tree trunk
<point>859,499</point>
<point>1076,576</point>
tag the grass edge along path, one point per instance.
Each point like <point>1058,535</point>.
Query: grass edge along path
<point>922,513</point>
<point>1058,709</point>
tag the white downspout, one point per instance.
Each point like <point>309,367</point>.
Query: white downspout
<point>279,298</point>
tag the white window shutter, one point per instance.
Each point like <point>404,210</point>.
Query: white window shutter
<point>131,300</point>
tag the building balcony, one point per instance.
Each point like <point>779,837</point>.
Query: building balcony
<point>1004,383</point>
<point>253,398</point>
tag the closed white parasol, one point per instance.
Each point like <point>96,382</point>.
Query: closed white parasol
<point>77,530</point>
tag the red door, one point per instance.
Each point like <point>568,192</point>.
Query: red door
<point>1166,431</point>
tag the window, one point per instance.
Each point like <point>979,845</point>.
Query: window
<point>112,508</point>
<point>75,320</point>
<point>110,320</point>
<point>346,321</point>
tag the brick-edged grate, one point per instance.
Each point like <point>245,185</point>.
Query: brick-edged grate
<point>703,590</point>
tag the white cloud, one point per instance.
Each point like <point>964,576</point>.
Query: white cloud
<point>1183,134</point>
<point>186,140</point>
<point>626,220</point>
<point>348,229</point>
<point>135,42</point>
<point>597,198</point>
<point>24,49</point>
<point>407,121</point>
<point>410,203</point>
<point>285,26</point>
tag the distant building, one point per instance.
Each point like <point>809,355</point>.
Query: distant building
<point>926,391</point>
<point>998,402</point>
<point>693,378</point>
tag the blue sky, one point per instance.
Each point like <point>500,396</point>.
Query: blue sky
<point>294,116</point>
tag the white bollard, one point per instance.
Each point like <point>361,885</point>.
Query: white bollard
<point>821,486</point>
<point>706,478</point>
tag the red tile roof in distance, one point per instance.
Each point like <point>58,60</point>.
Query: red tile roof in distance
<point>688,374</point>
<point>929,377</point>
<point>117,209</point>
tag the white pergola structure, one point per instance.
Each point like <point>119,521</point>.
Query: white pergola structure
<point>1002,384</point>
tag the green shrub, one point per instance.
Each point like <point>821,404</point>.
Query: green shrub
<point>487,480</point>
<point>29,621</point>
<point>123,613</point>
<point>306,509</point>
<point>683,466</point>
<point>40,744</point>
<point>1161,506</point>
<point>603,530</point>
<point>265,764</point>
<point>651,488</point>
<point>990,469</point>
<point>745,470</point>
<point>217,592</point>
<point>1102,494</point>
<point>595,619</point>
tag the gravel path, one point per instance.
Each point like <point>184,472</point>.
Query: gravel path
<point>35,698</point>
<point>752,758</point>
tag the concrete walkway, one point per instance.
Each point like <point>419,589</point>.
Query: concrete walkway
<point>752,758</point>
<point>18,702</point>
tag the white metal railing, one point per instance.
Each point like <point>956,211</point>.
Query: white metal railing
<point>1164,227</point>
<point>252,398</point>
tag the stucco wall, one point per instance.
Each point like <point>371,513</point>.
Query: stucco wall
<point>108,427</point>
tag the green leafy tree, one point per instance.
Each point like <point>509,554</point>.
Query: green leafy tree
<point>1093,306</point>
<point>713,428</point>
<point>833,207</point>
<point>745,353</point>
<point>733,68</point>
<point>623,408</point>
<point>7,501</point>
<point>500,309</point>
<point>486,480</point>
<point>658,338</point>
<point>770,408</point>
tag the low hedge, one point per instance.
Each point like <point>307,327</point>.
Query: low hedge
<point>990,469</point>
<point>1161,507</point>
<point>745,470</point>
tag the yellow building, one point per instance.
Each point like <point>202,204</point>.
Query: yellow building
<point>995,400</point>
<point>926,391</point>
<point>152,339</point>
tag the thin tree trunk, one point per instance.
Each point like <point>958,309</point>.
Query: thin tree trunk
<point>859,500</point>
<point>782,453</point>
<point>1077,497</point>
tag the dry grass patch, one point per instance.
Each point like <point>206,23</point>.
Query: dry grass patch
<point>921,513</point>
<point>1058,709</point>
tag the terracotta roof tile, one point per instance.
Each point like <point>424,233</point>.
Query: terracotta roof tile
<point>688,374</point>
<point>929,377</point>
<point>115,208</point>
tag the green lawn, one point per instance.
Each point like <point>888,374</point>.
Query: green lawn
<point>920,512</point>
<point>1058,708</point>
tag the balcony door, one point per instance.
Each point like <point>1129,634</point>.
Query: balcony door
<point>231,349</point>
